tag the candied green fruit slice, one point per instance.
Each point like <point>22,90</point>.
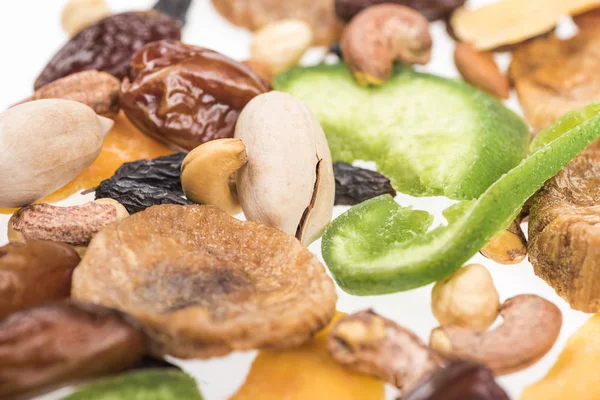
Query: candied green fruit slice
<point>429,135</point>
<point>390,266</point>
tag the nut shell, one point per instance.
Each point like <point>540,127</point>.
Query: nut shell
<point>204,283</point>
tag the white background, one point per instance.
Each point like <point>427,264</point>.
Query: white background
<point>30,33</point>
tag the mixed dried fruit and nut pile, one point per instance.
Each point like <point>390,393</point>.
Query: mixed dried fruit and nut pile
<point>175,139</point>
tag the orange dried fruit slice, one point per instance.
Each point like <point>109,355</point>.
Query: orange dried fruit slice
<point>204,283</point>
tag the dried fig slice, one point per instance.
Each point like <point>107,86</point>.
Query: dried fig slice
<point>320,14</point>
<point>204,283</point>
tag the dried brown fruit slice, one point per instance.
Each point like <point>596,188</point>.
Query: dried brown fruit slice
<point>320,14</point>
<point>553,76</point>
<point>204,283</point>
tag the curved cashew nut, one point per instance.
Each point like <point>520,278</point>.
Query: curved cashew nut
<point>382,34</point>
<point>531,326</point>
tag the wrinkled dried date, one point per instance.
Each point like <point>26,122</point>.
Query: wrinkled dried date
<point>354,185</point>
<point>141,184</point>
<point>432,10</point>
<point>109,44</point>
<point>173,8</point>
<point>33,273</point>
<point>184,95</point>
<point>64,341</point>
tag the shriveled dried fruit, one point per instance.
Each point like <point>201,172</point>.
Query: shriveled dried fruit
<point>459,380</point>
<point>96,47</point>
<point>354,185</point>
<point>564,234</point>
<point>432,10</point>
<point>141,184</point>
<point>75,225</point>
<point>253,15</point>
<point>185,95</point>
<point>531,326</point>
<point>95,89</point>
<point>480,70</point>
<point>174,8</point>
<point>373,345</point>
<point>554,76</point>
<point>512,21</point>
<point>33,273</point>
<point>65,341</point>
<point>204,283</point>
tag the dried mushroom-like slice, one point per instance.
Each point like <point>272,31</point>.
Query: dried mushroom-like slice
<point>554,76</point>
<point>204,283</point>
<point>320,14</point>
<point>564,231</point>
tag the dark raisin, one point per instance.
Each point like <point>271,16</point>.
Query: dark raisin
<point>173,8</point>
<point>162,172</point>
<point>354,185</point>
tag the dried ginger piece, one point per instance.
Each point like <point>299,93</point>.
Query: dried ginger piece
<point>513,21</point>
<point>307,372</point>
<point>204,283</point>
<point>553,76</point>
<point>254,14</point>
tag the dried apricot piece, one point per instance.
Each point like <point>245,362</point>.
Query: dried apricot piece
<point>204,283</point>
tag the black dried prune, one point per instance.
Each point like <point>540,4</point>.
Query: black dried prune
<point>173,8</point>
<point>109,44</point>
<point>354,185</point>
<point>137,196</point>
<point>162,172</point>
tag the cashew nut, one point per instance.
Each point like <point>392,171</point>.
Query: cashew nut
<point>382,34</point>
<point>467,298</point>
<point>531,326</point>
<point>79,14</point>
<point>74,225</point>
<point>208,172</point>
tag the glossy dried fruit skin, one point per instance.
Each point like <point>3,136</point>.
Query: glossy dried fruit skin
<point>354,185</point>
<point>109,44</point>
<point>65,341</point>
<point>459,380</point>
<point>141,184</point>
<point>431,9</point>
<point>184,95</point>
<point>33,273</point>
<point>204,283</point>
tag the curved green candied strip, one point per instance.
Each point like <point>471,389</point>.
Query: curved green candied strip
<point>145,384</point>
<point>425,257</point>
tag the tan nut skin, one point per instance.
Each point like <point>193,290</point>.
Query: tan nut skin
<point>79,14</point>
<point>97,90</point>
<point>382,34</point>
<point>508,248</point>
<point>531,326</point>
<point>207,172</point>
<point>480,70</point>
<point>75,225</point>
<point>467,298</point>
<point>376,346</point>
<point>288,181</point>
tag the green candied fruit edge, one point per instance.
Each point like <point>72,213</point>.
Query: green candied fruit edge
<point>146,384</point>
<point>438,253</point>
<point>430,135</point>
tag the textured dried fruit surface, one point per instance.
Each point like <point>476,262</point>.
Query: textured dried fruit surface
<point>253,15</point>
<point>564,234</point>
<point>109,44</point>
<point>512,21</point>
<point>34,273</point>
<point>307,372</point>
<point>64,341</point>
<point>354,185</point>
<point>554,76</point>
<point>185,95</point>
<point>123,143</point>
<point>432,10</point>
<point>574,376</point>
<point>204,283</point>
<point>96,89</point>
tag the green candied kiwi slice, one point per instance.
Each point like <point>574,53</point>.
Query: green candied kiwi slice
<point>429,135</point>
<point>379,247</point>
<point>146,384</point>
